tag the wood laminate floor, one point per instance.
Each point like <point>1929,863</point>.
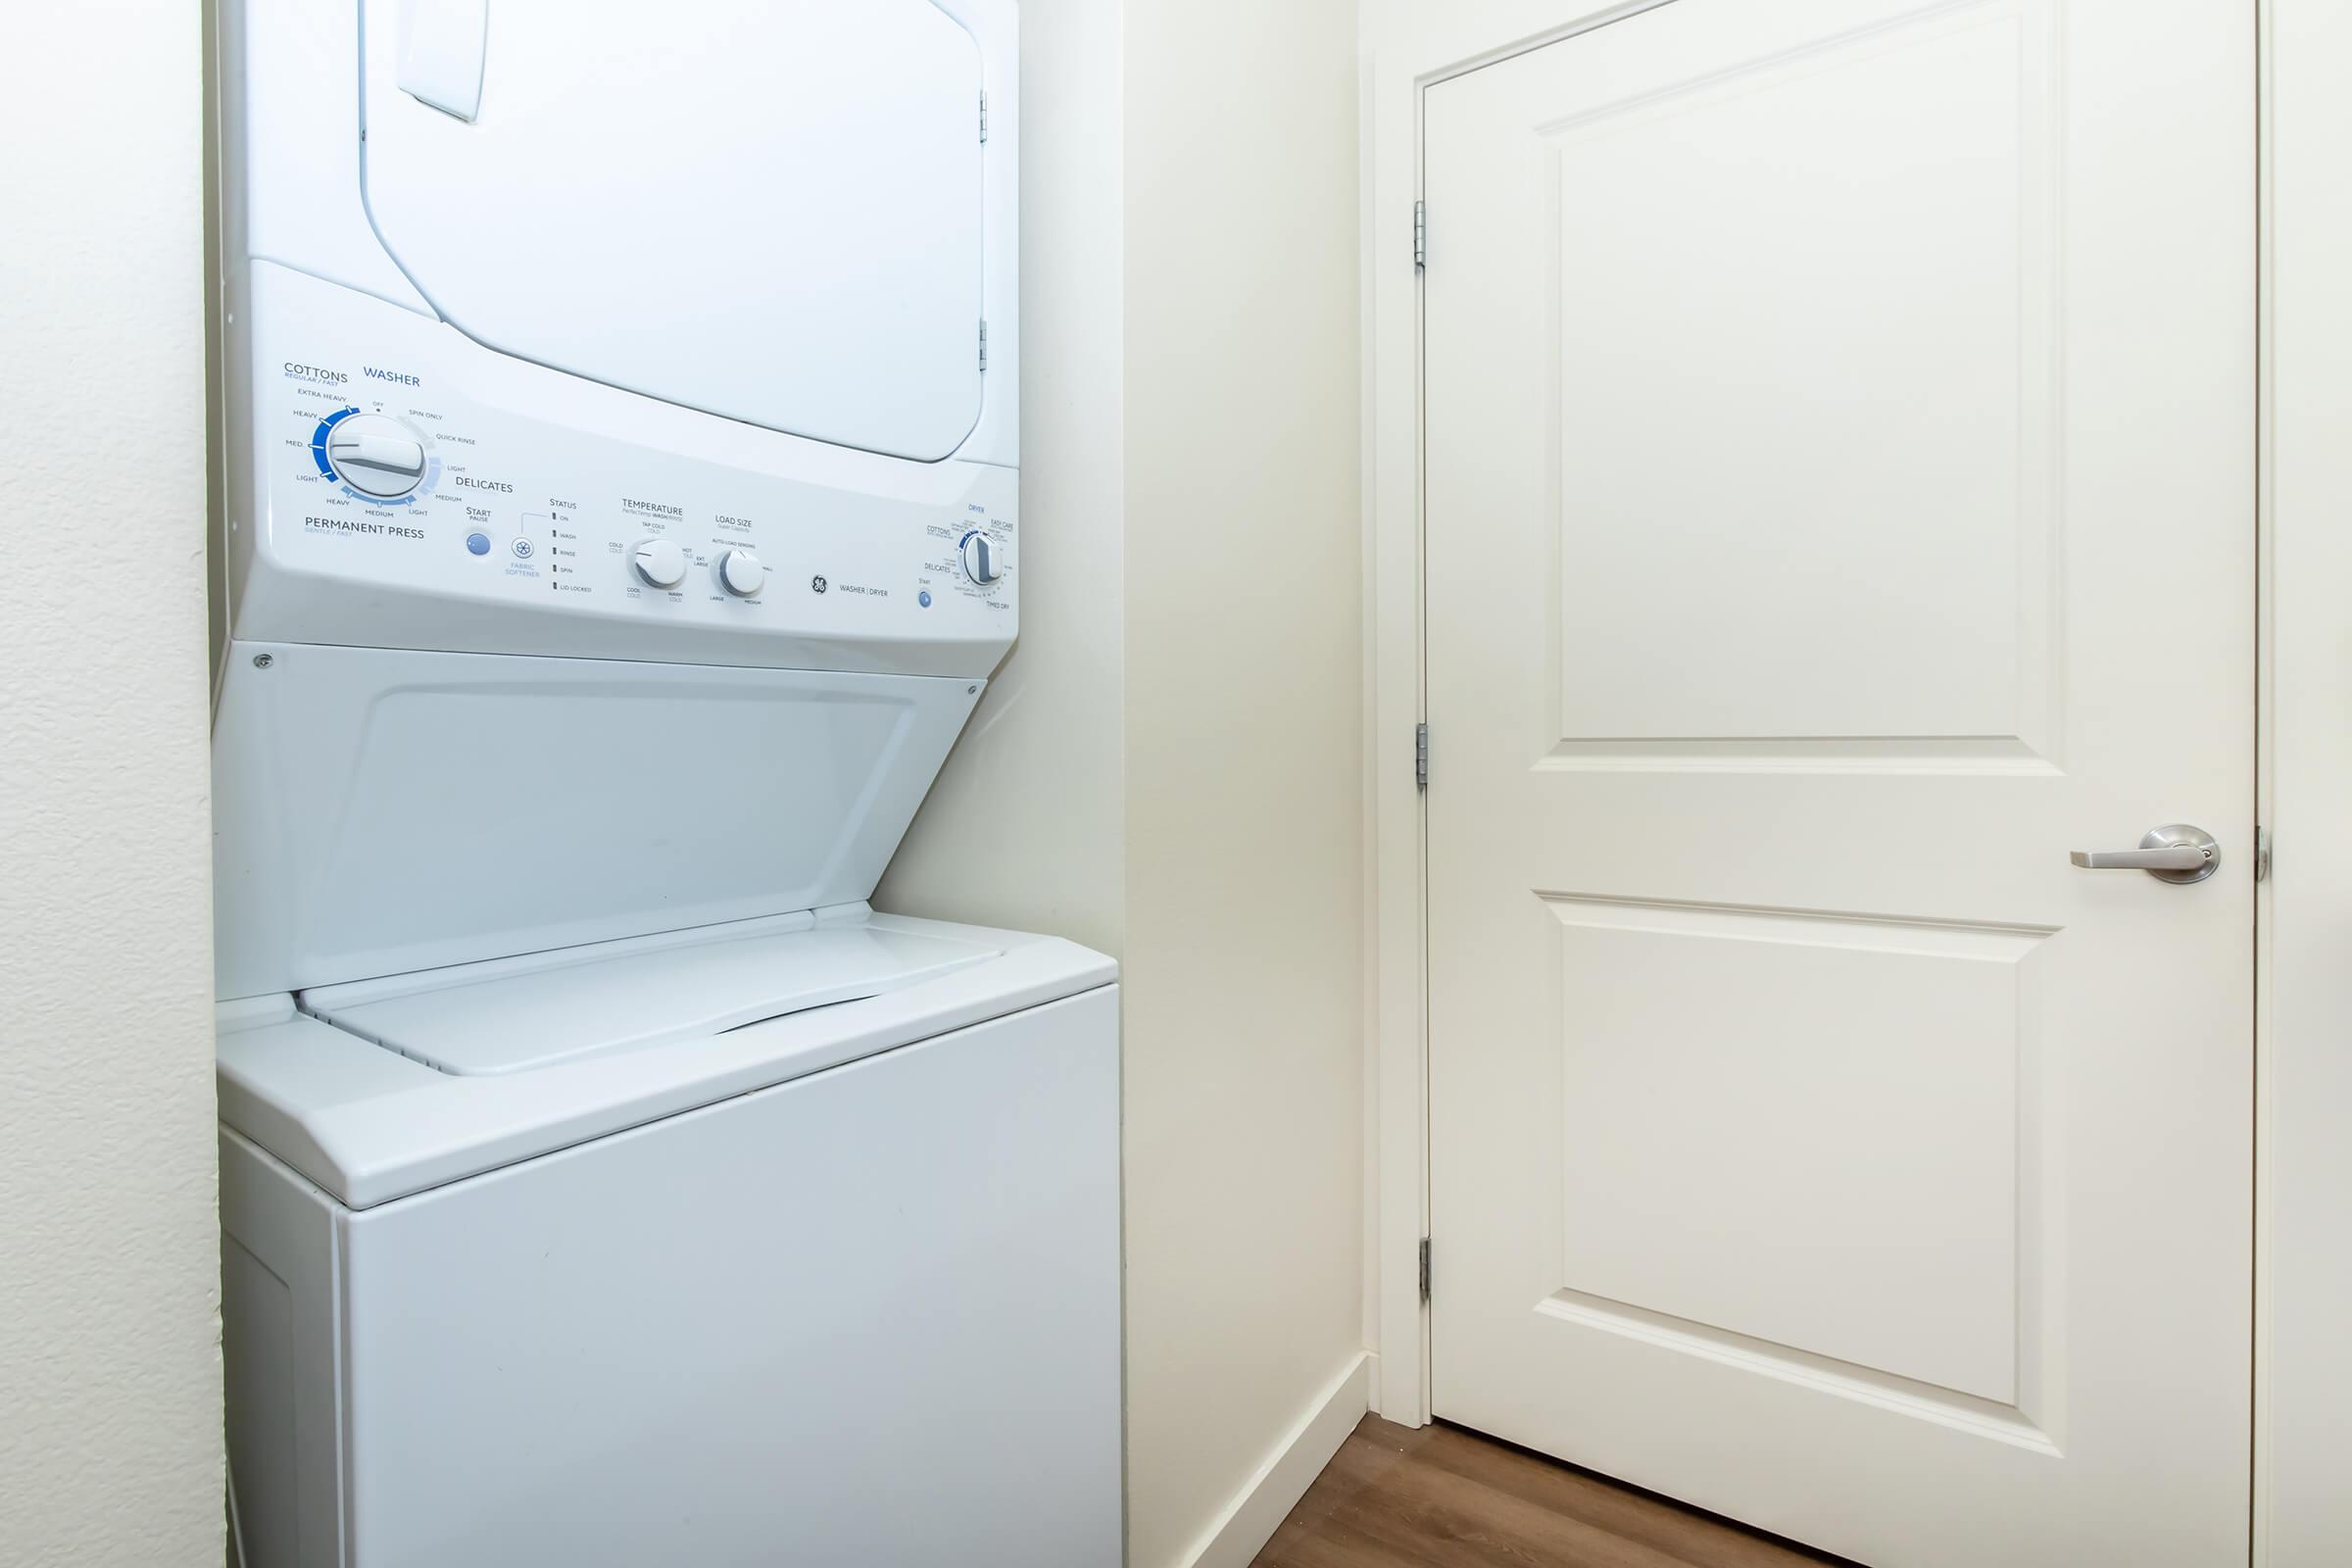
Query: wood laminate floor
<point>1440,1497</point>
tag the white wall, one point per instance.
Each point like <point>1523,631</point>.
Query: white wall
<point>1169,767</point>
<point>110,1377</point>
<point>1244,761</point>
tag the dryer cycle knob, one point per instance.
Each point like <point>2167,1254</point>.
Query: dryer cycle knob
<point>660,562</point>
<point>376,455</point>
<point>983,562</point>
<point>741,574</point>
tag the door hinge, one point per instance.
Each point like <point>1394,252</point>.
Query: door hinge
<point>1425,1272</point>
<point>1420,235</point>
<point>1421,757</point>
<point>2262,854</point>
<point>984,345</point>
<point>984,116</point>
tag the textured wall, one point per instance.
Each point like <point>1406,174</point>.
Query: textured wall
<point>110,1376</point>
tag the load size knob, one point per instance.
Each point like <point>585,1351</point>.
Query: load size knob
<point>377,455</point>
<point>741,574</point>
<point>660,562</point>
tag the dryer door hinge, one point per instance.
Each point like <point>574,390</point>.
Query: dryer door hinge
<point>1421,757</point>
<point>1424,1271</point>
<point>984,345</point>
<point>2262,854</point>
<point>1420,235</point>
<point>984,116</point>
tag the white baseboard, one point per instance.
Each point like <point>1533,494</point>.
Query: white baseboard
<point>1251,1519</point>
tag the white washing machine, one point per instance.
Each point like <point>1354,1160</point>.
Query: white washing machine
<point>622,524</point>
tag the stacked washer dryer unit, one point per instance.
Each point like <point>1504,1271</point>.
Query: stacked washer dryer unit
<point>621,525</point>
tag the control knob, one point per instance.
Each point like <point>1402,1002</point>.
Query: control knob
<point>660,562</point>
<point>983,562</point>
<point>376,455</point>
<point>741,574</point>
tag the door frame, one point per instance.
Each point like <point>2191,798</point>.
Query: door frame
<point>2303,990</point>
<point>1408,47</point>
<point>2303,986</point>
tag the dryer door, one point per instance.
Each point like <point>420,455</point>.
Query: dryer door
<point>769,210</point>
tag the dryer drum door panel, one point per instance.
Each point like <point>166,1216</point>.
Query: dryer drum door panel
<point>771,210</point>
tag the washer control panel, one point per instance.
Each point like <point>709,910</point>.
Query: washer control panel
<point>419,466</point>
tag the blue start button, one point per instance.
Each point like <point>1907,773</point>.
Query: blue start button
<point>478,543</point>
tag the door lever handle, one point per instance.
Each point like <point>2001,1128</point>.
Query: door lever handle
<point>2176,857</point>
<point>2174,852</point>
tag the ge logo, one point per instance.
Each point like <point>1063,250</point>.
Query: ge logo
<point>816,585</point>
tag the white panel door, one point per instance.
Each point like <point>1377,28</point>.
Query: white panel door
<point>1841,470</point>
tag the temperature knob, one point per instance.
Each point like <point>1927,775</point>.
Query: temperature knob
<point>982,560</point>
<point>662,564</point>
<point>740,572</point>
<point>376,455</point>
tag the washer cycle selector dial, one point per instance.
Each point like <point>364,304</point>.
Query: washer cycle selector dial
<point>740,572</point>
<point>983,562</point>
<point>660,562</point>
<point>376,455</point>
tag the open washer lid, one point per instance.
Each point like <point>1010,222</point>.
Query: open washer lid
<point>381,811</point>
<point>771,210</point>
